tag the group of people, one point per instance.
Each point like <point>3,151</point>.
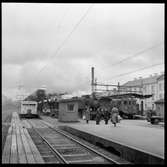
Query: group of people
<point>103,112</point>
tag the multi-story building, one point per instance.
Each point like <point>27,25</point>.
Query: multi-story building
<point>154,84</point>
<point>160,87</point>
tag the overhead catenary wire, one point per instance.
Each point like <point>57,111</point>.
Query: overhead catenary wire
<point>137,54</point>
<point>140,69</point>
<point>68,36</point>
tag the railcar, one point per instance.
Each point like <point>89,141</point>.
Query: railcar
<point>127,107</point>
<point>48,107</point>
<point>28,109</point>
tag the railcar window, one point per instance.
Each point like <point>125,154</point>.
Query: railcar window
<point>70,107</point>
<point>119,102</point>
<point>129,102</point>
<point>125,102</point>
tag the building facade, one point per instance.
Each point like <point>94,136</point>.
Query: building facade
<point>160,107</point>
<point>154,84</point>
<point>160,87</point>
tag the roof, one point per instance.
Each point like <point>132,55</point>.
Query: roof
<point>160,101</point>
<point>127,95</point>
<point>105,98</point>
<point>28,102</point>
<point>139,82</point>
<point>68,100</point>
<point>161,77</point>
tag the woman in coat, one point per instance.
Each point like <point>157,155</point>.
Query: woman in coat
<point>114,115</point>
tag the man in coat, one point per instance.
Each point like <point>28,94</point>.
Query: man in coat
<point>114,115</point>
<point>98,116</point>
<point>87,114</point>
<point>106,115</point>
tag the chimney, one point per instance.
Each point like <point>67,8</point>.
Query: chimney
<point>92,79</point>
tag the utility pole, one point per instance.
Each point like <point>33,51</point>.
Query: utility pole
<point>142,102</point>
<point>118,88</point>
<point>95,84</point>
<point>92,80</point>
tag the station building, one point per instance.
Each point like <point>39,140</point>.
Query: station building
<point>68,110</point>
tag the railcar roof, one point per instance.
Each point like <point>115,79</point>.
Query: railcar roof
<point>29,102</point>
<point>128,95</point>
<point>68,100</point>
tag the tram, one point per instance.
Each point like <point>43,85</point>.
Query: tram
<point>28,109</point>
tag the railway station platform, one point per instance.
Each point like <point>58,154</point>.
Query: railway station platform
<point>19,147</point>
<point>135,142</point>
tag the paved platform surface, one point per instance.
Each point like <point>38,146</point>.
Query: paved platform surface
<point>138,134</point>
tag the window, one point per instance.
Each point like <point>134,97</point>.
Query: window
<point>28,104</point>
<point>153,97</point>
<point>125,102</point>
<point>144,88</point>
<point>119,102</point>
<point>160,96</point>
<point>160,86</point>
<point>152,89</point>
<point>152,106</point>
<point>70,107</point>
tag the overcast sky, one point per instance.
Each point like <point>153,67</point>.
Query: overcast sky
<point>108,33</point>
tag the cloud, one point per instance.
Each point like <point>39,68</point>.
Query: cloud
<point>32,33</point>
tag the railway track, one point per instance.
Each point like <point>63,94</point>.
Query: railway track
<point>58,147</point>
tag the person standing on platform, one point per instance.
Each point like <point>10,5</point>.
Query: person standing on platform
<point>87,114</point>
<point>114,115</point>
<point>106,115</point>
<point>98,116</point>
